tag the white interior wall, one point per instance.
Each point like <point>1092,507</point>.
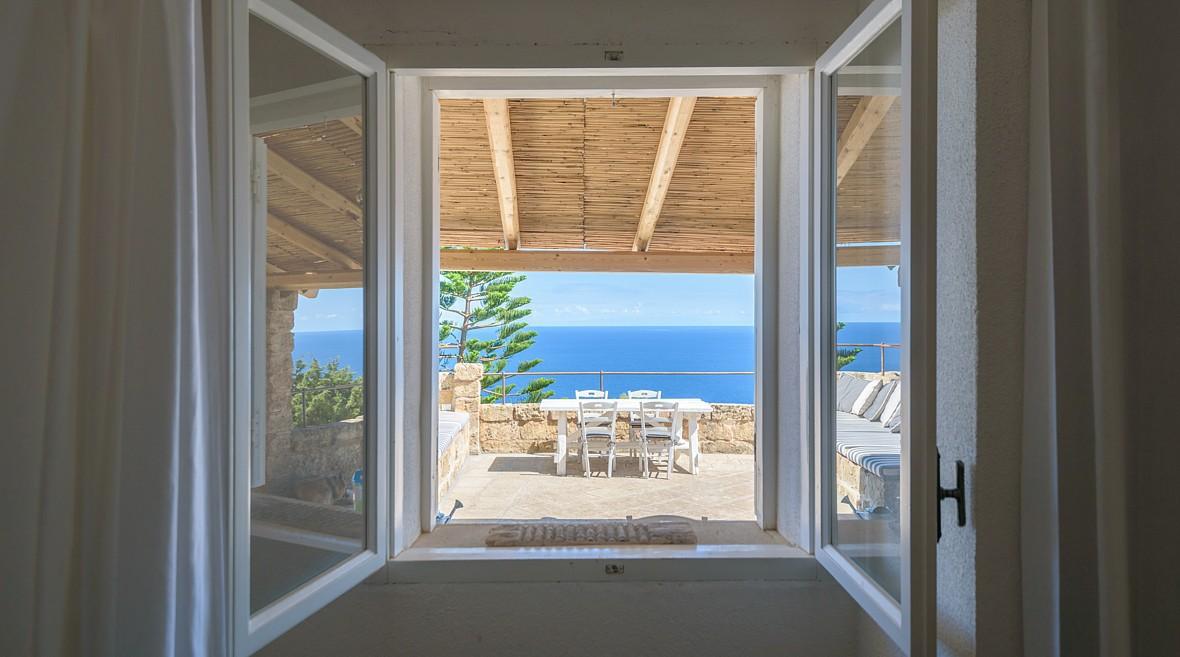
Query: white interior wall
<point>957,281</point>
<point>541,33</point>
<point>573,619</point>
<point>278,62</point>
<point>1000,171</point>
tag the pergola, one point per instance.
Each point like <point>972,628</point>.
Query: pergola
<point>603,185</point>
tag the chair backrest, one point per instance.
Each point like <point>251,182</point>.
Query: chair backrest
<point>643,394</point>
<point>660,418</point>
<point>590,394</point>
<point>597,417</point>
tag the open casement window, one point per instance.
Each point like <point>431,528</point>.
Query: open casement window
<point>309,160</point>
<point>874,237</point>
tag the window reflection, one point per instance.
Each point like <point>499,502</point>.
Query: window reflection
<point>308,465</point>
<point>866,413</point>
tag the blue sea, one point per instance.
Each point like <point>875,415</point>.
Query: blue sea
<point>638,348</point>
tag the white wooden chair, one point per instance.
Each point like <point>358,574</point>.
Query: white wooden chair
<point>661,431</point>
<point>596,426</point>
<point>634,417</point>
<point>590,394</point>
<point>641,395</point>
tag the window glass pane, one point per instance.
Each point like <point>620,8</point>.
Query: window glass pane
<point>866,414</point>
<point>308,453</point>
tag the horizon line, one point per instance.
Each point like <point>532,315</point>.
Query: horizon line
<point>618,326</point>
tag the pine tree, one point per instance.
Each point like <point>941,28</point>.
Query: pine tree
<point>325,393</point>
<point>484,323</point>
<point>845,355</point>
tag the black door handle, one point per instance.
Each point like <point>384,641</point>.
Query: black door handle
<point>958,493</point>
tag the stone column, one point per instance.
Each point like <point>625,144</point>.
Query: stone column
<point>465,391</point>
<point>280,343</point>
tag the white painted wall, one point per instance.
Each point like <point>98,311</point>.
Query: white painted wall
<point>752,619</point>
<point>544,33</point>
<point>1001,210</point>
<point>278,62</point>
<point>957,359</point>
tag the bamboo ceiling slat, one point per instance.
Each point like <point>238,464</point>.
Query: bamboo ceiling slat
<point>582,170</point>
<point>711,195</point>
<point>334,155</point>
<point>547,141</point>
<point>622,138</point>
<point>868,204</point>
<point>468,203</point>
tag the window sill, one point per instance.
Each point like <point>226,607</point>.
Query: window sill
<point>603,564</point>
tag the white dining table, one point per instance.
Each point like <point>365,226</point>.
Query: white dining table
<point>691,409</point>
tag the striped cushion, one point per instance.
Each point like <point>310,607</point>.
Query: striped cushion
<point>450,423</point>
<point>873,412</point>
<point>869,445</point>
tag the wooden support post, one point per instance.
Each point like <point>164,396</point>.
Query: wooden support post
<point>671,139</point>
<point>500,139</point>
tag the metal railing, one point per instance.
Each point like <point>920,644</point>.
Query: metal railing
<point>601,374</point>
<point>877,345</point>
<point>303,397</point>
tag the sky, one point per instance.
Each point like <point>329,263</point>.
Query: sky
<point>865,294</point>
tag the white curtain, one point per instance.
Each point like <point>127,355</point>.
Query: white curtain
<point>1073,493</point>
<point>114,331</point>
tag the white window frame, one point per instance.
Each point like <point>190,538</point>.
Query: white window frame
<point>909,621</point>
<point>233,151</point>
<point>782,145</point>
<point>405,428</point>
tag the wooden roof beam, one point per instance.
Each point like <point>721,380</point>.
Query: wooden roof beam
<point>685,262</point>
<point>309,242</point>
<point>323,280</point>
<point>275,269</point>
<point>596,261</point>
<point>671,139</point>
<point>500,138</point>
<point>868,255</point>
<point>354,123</point>
<point>865,119</point>
<point>310,185</point>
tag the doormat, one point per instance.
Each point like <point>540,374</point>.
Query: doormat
<point>592,532</point>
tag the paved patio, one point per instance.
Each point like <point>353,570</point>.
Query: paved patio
<point>525,487</point>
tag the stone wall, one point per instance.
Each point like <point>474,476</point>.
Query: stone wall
<point>864,489</point>
<point>524,428</point>
<point>313,452</point>
<point>294,454</point>
<point>451,460</point>
<point>729,429</point>
<point>464,394</point>
<point>280,342</point>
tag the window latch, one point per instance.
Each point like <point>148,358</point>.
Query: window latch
<point>958,493</point>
